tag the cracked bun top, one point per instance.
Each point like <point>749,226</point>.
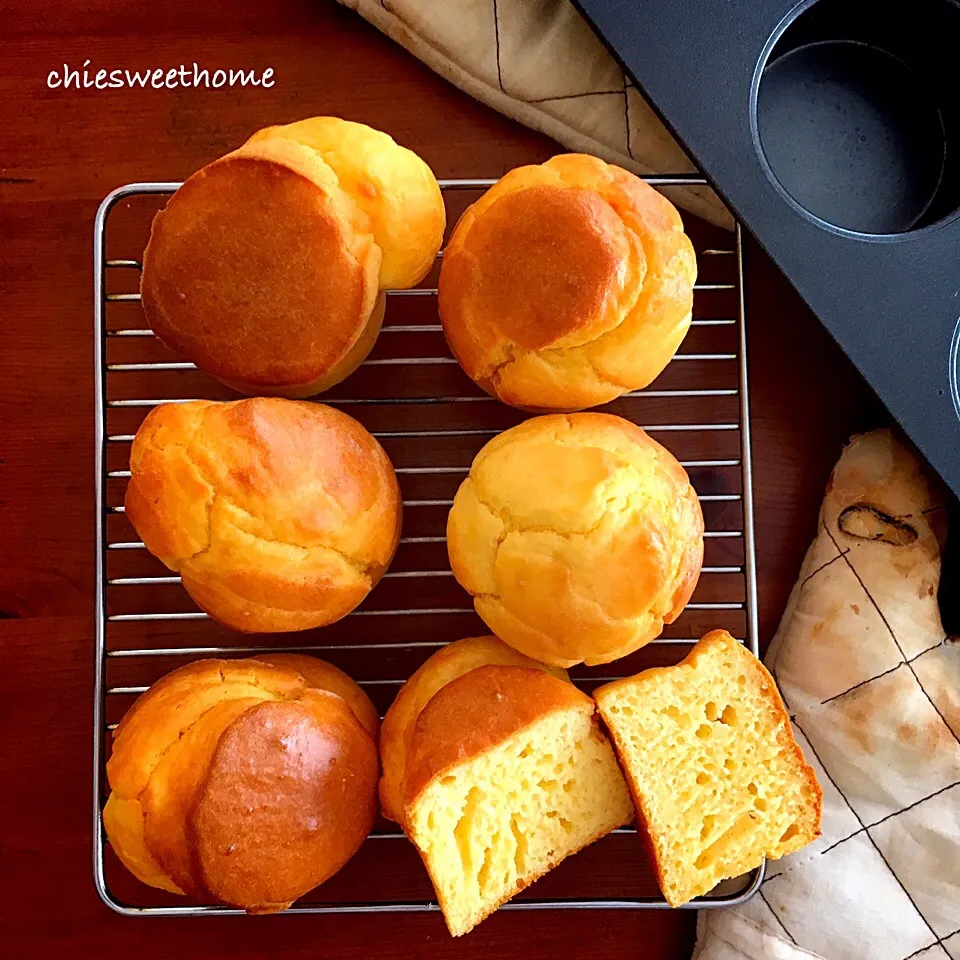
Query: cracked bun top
<point>578,537</point>
<point>277,514</point>
<point>566,285</point>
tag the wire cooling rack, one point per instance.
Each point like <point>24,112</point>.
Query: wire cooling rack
<point>432,420</point>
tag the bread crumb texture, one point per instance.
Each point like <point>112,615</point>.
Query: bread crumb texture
<point>492,825</point>
<point>399,724</point>
<point>717,777</point>
<point>578,537</point>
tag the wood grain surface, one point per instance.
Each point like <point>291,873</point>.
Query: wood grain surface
<point>60,153</point>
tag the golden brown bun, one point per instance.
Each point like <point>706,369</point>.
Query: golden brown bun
<point>445,665</point>
<point>313,802</point>
<point>248,755</point>
<point>175,702</point>
<point>390,184</point>
<point>566,285</point>
<point>278,515</point>
<point>263,272</point>
<point>477,711</point>
<point>325,676</point>
<point>266,268</point>
<point>177,784</point>
<point>595,514</point>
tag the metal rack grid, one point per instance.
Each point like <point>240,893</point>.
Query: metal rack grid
<point>142,638</point>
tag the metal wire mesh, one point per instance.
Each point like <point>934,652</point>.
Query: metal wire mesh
<point>431,419</point>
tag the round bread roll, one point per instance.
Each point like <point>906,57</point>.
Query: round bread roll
<point>567,285</point>
<point>267,267</point>
<point>448,663</point>
<point>278,515</point>
<point>243,781</point>
<point>578,537</point>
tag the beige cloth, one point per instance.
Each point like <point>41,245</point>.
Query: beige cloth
<point>538,62</point>
<point>873,686</point>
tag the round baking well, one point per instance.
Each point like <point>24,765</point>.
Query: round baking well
<point>852,118</point>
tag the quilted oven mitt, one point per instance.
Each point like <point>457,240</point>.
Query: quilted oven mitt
<point>873,687</point>
<point>538,62</point>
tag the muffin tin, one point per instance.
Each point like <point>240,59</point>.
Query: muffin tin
<point>831,128</point>
<point>432,420</point>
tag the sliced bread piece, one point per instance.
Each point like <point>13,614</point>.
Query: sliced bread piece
<point>508,773</point>
<point>717,778</point>
<point>400,722</point>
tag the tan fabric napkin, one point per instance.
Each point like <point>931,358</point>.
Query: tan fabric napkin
<point>873,686</point>
<point>538,62</point>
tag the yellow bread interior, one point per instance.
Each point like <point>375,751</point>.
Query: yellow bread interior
<point>493,824</point>
<point>717,777</point>
<point>447,664</point>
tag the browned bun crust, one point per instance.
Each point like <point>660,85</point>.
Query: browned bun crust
<point>263,841</point>
<point>325,676</point>
<point>278,515</point>
<point>263,273</point>
<point>389,183</point>
<point>243,781</point>
<point>267,267</point>
<point>566,285</point>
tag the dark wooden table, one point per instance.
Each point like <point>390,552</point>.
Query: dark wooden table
<point>60,153</point>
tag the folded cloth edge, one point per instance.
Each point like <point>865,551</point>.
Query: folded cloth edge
<point>744,938</point>
<point>701,201</point>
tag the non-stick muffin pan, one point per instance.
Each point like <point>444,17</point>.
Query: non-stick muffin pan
<point>832,129</point>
